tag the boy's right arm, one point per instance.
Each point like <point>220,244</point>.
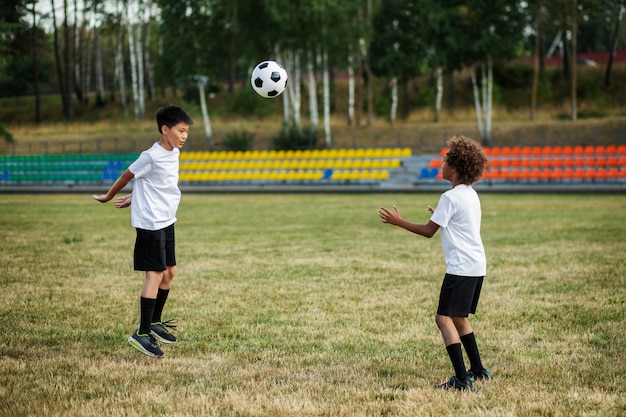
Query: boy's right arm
<point>117,186</point>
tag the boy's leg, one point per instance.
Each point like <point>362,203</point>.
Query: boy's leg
<point>452,342</point>
<point>163,293</point>
<point>476,366</point>
<point>149,299</point>
<point>158,326</point>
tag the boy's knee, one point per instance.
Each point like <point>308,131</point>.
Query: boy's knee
<point>169,274</point>
<point>443,321</point>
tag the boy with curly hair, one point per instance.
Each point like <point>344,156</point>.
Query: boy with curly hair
<point>458,215</point>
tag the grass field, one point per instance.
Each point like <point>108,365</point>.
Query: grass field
<point>307,305</point>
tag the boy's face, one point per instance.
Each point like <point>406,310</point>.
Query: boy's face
<point>175,136</point>
<point>447,172</point>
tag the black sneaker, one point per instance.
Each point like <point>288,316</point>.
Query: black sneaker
<point>146,344</point>
<point>160,332</point>
<point>458,384</point>
<point>483,375</point>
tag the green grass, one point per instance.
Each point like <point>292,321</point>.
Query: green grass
<point>307,305</point>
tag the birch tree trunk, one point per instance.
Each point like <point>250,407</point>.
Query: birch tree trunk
<point>205,114</point>
<point>538,31</point>
<point>100,92</point>
<point>140,72</point>
<point>489,108</point>
<point>133,71</point>
<point>146,58</point>
<point>78,79</point>
<point>574,66</point>
<point>481,130</point>
<point>351,99</point>
<point>120,74</point>
<point>67,58</point>
<point>614,42</point>
<point>439,97</point>
<point>325,77</point>
<point>35,65</point>
<point>394,100</point>
<point>294,89</point>
<point>313,113</point>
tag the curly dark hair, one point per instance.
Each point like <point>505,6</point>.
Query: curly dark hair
<point>466,156</point>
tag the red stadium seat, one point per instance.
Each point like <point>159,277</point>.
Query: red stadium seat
<point>557,174</point>
<point>568,173</point>
<point>590,161</point>
<point>524,174</point>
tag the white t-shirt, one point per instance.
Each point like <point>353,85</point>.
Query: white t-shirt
<point>458,214</point>
<point>155,191</point>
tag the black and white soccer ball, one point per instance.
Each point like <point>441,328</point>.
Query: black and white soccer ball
<point>269,79</point>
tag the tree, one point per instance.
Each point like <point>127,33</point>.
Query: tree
<point>480,33</point>
<point>619,14</point>
<point>397,44</point>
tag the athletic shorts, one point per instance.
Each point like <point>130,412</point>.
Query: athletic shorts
<point>459,295</point>
<point>154,249</point>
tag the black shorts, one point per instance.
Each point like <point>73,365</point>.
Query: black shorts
<point>459,295</point>
<point>154,249</point>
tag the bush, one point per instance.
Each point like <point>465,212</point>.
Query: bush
<point>239,141</point>
<point>245,102</point>
<point>291,138</point>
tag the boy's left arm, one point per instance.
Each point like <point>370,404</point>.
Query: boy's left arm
<point>115,188</point>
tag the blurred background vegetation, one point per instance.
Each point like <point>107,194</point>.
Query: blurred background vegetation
<point>353,64</point>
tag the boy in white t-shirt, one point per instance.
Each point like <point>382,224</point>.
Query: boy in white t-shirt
<point>154,202</point>
<point>458,215</point>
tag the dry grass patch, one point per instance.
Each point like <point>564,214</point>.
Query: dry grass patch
<point>306,305</point>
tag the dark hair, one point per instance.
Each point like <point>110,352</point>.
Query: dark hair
<point>171,115</point>
<point>466,156</point>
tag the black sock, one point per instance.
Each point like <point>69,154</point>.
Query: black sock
<point>471,348</point>
<point>147,310</point>
<point>160,303</point>
<point>456,357</point>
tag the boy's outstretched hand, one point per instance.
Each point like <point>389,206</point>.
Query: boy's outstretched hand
<point>123,202</point>
<point>101,198</point>
<point>387,216</point>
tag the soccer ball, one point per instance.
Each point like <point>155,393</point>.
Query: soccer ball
<point>269,79</point>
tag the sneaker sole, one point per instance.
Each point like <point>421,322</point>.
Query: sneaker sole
<point>141,349</point>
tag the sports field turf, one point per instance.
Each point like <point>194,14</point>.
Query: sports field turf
<point>307,305</point>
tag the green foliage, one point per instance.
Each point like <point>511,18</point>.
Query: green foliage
<point>8,137</point>
<point>239,141</point>
<point>290,138</point>
<point>245,102</point>
<point>513,76</point>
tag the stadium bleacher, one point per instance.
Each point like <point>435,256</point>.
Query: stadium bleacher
<point>392,167</point>
<point>552,164</point>
<point>213,167</point>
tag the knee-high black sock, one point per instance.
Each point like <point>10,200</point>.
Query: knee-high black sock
<point>160,302</point>
<point>147,310</point>
<point>471,348</point>
<point>456,357</point>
